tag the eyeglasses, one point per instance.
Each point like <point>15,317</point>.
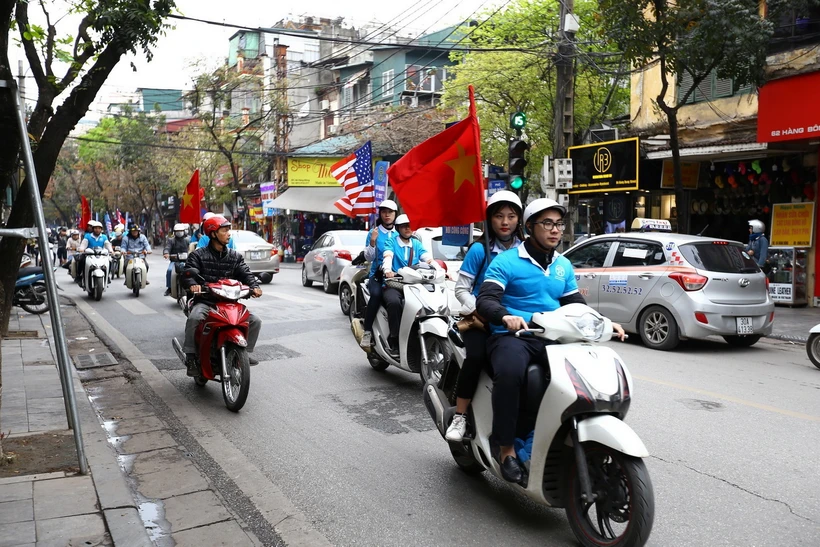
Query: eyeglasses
<point>548,225</point>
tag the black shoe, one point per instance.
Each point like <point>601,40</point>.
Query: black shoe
<point>511,470</point>
<point>167,292</point>
<point>192,365</point>
<point>252,361</point>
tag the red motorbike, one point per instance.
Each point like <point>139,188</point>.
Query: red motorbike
<point>222,339</point>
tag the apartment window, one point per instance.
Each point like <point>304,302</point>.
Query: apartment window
<point>388,83</point>
<point>347,100</point>
<point>311,53</point>
<point>712,87</point>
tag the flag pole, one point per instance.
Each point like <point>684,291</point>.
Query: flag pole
<point>477,132</point>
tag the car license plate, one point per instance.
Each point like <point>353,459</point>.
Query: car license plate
<point>744,325</point>
<point>256,255</point>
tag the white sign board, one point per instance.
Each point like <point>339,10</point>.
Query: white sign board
<point>780,292</point>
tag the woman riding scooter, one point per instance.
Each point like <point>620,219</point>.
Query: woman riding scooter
<point>503,223</point>
<point>374,246</point>
<point>530,279</point>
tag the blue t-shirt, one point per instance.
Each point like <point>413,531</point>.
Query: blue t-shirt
<point>474,263</point>
<point>529,288</point>
<point>401,253</point>
<point>203,242</point>
<point>381,243</point>
<point>95,242</point>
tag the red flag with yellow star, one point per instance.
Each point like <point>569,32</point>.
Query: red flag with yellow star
<point>439,182</point>
<point>189,208</point>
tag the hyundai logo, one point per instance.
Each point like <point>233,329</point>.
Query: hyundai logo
<point>744,283</point>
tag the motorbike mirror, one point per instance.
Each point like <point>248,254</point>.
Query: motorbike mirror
<point>441,263</point>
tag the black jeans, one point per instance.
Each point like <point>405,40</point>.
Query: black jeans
<point>509,358</point>
<point>394,302</point>
<point>475,344</point>
<point>373,304</point>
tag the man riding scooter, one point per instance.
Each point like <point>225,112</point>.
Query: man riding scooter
<point>94,240</point>
<point>214,262</point>
<point>135,243</point>
<point>175,246</point>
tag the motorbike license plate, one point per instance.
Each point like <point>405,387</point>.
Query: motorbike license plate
<point>256,255</point>
<point>744,325</point>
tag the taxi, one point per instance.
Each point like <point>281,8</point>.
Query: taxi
<point>668,287</point>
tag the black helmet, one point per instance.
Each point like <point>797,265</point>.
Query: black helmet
<point>134,227</point>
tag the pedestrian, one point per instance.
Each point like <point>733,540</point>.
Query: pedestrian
<point>758,247</point>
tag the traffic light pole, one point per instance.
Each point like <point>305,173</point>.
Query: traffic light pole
<point>565,92</point>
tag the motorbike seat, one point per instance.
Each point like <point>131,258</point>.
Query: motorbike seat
<point>29,270</point>
<point>536,381</point>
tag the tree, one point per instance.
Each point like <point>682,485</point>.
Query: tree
<point>397,130</point>
<point>510,81</point>
<point>694,39</point>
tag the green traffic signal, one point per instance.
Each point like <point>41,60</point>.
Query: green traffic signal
<point>518,120</point>
<point>516,183</point>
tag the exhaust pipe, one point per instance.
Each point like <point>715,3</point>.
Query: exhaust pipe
<point>433,404</point>
<point>178,349</point>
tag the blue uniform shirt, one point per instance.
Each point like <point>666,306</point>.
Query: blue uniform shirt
<point>203,242</point>
<point>381,243</point>
<point>401,253</point>
<point>529,288</point>
<point>474,263</point>
<point>95,242</point>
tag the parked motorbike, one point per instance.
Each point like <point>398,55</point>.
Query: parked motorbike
<point>221,341</point>
<point>423,330</point>
<point>178,291</point>
<point>813,345</point>
<point>136,272</point>
<point>583,456</point>
<point>117,263</point>
<point>30,290</point>
<point>96,272</point>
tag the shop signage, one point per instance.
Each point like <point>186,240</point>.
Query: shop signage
<point>605,166</point>
<point>689,171</point>
<point>788,109</point>
<point>780,292</point>
<point>311,172</point>
<point>792,224</point>
<point>458,236</point>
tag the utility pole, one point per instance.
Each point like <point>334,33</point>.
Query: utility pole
<point>565,87</point>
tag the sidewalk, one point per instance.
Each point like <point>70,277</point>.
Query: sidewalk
<point>143,488</point>
<point>793,324</point>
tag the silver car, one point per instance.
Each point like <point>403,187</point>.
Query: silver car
<point>329,255</point>
<point>669,287</point>
<point>260,256</point>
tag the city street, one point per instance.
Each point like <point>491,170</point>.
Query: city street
<point>733,432</point>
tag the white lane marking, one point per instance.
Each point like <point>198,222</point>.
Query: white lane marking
<point>296,299</point>
<point>136,307</point>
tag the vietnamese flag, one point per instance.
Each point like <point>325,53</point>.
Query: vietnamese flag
<point>189,210</point>
<point>439,182</point>
<point>85,214</point>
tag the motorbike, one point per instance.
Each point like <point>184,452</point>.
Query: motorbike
<point>221,341</point>
<point>96,272</point>
<point>117,263</point>
<point>178,291</point>
<point>30,290</point>
<point>423,328</point>
<point>583,456</point>
<point>136,272</point>
<point>813,345</point>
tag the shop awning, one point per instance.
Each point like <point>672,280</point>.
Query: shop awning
<point>355,78</point>
<point>706,152</point>
<point>309,200</point>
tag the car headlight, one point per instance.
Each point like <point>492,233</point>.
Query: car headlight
<point>590,325</point>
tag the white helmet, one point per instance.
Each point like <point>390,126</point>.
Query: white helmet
<point>542,204</point>
<point>207,215</point>
<point>504,196</point>
<point>402,219</point>
<point>74,233</point>
<point>389,204</point>
<point>95,224</point>
<point>757,226</point>
<point>180,227</point>
<point>119,227</point>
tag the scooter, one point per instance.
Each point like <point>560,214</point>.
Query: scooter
<point>813,345</point>
<point>96,272</point>
<point>117,263</point>
<point>423,330</point>
<point>221,341</point>
<point>30,290</point>
<point>136,272</point>
<point>583,456</point>
<point>178,292</point>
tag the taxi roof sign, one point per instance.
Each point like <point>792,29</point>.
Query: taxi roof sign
<point>651,225</point>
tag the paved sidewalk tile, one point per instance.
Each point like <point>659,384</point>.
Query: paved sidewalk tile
<point>229,534</point>
<point>64,497</point>
<point>60,532</point>
<point>19,533</point>
<point>16,491</point>
<point>152,470</point>
<point>130,426</point>
<point>193,510</point>
<point>144,442</point>
<point>16,511</point>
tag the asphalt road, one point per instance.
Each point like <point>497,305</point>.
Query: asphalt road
<point>733,433</point>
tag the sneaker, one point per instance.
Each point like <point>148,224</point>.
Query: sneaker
<point>167,292</point>
<point>367,340</point>
<point>457,429</point>
<point>191,364</point>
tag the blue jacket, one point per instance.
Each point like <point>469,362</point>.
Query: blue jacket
<point>760,246</point>
<point>133,246</point>
<point>375,254</point>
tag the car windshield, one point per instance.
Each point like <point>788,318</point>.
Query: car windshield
<point>448,252</point>
<point>719,257</point>
<point>242,236</point>
<point>354,238</point>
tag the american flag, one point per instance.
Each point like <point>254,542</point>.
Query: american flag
<point>355,174</point>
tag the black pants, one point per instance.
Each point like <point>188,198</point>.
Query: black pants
<point>393,301</point>
<point>475,344</point>
<point>61,253</point>
<point>509,358</point>
<point>375,288</point>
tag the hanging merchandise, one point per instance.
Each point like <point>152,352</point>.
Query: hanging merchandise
<point>732,181</point>
<point>719,181</point>
<point>756,167</point>
<point>742,168</point>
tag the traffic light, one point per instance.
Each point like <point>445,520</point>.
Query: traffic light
<point>517,163</point>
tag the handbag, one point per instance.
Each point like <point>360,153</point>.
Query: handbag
<point>359,260</point>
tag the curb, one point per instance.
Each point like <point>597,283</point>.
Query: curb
<point>789,338</point>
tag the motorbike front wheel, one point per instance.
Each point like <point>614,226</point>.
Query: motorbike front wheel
<point>98,289</point>
<point>623,513</point>
<point>438,355</point>
<point>136,283</point>
<point>812,348</point>
<point>39,297</point>
<point>237,384</point>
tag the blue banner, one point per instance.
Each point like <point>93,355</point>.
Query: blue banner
<point>379,186</point>
<point>457,236</point>
<point>494,186</point>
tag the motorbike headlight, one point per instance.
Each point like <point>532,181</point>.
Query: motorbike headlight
<point>590,325</point>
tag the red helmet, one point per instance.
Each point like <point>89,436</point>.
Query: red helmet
<point>213,224</point>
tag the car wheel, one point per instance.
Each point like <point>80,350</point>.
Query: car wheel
<point>327,286</point>
<point>658,329</point>
<point>742,341</point>
<point>305,281</point>
<point>345,298</point>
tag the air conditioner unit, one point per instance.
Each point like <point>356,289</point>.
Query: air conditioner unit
<point>332,129</point>
<point>412,102</point>
<point>325,105</point>
<point>603,135</point>
<point>563,200</point>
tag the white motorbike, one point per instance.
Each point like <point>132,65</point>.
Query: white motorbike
<point>813,345</point>
<point>96,272</point>
<point>136,272</point>
<point>423,330</point>
<point>583,457</point>
<point>178,292</point>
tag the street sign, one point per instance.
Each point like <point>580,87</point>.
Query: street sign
<point>494,186</point>
<point>457,236</point>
